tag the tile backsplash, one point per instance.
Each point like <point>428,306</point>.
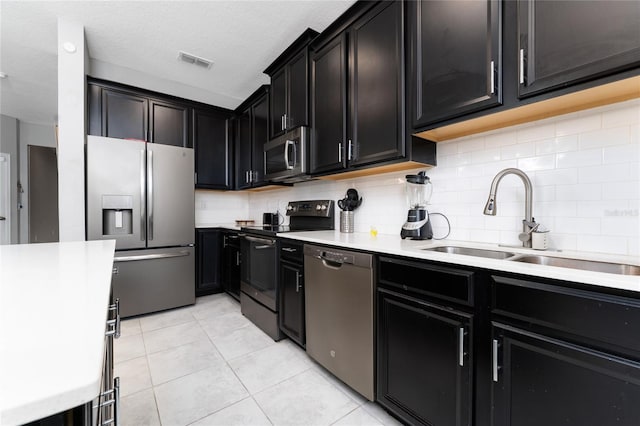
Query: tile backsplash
<point>584,167</point>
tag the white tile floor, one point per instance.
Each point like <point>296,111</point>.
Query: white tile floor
<point>208,365</point>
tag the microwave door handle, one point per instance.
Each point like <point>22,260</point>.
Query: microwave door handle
<point>295,154</point>
<point>287,144</point>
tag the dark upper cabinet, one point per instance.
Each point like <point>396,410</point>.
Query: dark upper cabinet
<point>243,150</point>
<point>260,136</point>
<point>289,94</point>
<point>208,258</point>
<point>169,123</point>
<point>455,58</point>
<point>364,124</point>
<point>252,133</point>
<point>544,381</point>
<point>329,104</point>
<point>424,361</point>
<point>124,115</point>
<point>278,102</point>
<point>376,86</point>
<point>566,42</point>
<point>212,145</point>
<point>298,91</point>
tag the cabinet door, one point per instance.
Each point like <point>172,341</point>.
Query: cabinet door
<point>260,131</point>
<point>169,124</point>
<point>124,115</point>
<point>278,93</point>
<point>208,256</point>
<point>298,91</point>
<point>243,149</point>
<point>291,293</point>
<point>542,381</point>
<point>376,83</point>
<point>328,106</point>
<point>231,265</point>
<point>602,38</point>
<point>424,361</point>
<point>454,57</point>
<point>212,149</point>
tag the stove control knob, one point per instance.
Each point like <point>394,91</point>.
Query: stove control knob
<point>324,207</point>
<point>318,207</point>
<point>289,207</point>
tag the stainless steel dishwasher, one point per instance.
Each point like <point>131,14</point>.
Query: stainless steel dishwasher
<point>339,314</point>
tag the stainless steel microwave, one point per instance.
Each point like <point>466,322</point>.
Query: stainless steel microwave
<point>285,157</point>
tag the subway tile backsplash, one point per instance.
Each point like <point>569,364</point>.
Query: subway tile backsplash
<point>584,168</point>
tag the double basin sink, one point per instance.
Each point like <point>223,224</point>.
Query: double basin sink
<point>562,262</point>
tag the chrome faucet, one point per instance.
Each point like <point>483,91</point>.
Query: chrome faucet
<point>528,224</point>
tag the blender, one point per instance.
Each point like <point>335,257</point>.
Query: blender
<point>418,226</point>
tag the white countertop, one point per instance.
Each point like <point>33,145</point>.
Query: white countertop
<point>53,308</point>
<point>394,245</point>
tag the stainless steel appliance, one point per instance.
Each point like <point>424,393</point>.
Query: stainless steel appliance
<point>339,314</point>
<point>418,225</point>
<point>286,158</point>
<point>142,195</point>
<point>259,280</point>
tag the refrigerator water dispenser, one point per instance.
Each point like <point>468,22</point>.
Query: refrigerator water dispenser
<point>117,214</point>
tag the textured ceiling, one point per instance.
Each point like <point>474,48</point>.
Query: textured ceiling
<point>137,42</point>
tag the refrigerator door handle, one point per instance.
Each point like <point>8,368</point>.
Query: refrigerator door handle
<point>150,194</point>
<point>143,213</point>
<point>150,256</point>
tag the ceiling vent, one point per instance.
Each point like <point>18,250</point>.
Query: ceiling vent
<point>195,60</point>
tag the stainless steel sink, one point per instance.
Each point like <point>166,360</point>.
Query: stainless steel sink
<point>467,251</point>
<point>584,265</point>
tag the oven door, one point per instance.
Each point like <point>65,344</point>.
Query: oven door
<point>285,157</point>
<point>259,272</point>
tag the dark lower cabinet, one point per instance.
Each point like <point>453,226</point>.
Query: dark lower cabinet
<point>425,373</point>
<point>565,42</point>
<point>231,265</point>
<point>208,258</point>
<point>291,292</point>
<point>539,380</point>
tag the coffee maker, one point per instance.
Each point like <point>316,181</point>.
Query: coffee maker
<point>418,225</point>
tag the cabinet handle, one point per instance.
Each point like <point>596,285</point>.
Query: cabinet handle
<point>521,66</point>
<point>114,399</point>
<point>339,152</point>
<point>115,322</point>
<point>195,177</point>
<point>237,258</point>
<point>246,176</point>
<point>289,249</point>
<point>350,151</point>
<point>282,122</point>
<point>254,176</point>
<point>285,122</point>
<point>461,346</point>
<point>224,241</point>
<point>298,282</point>
<point>492,71</point>
<point>495,360</point>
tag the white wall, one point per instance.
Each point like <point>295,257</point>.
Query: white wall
<point>30,134</point>
<point>72,70</point>
<point>9,145</point>
<point>215,207</point>
<point>584,168</point>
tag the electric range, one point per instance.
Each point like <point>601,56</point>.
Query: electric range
<point>259,274</point>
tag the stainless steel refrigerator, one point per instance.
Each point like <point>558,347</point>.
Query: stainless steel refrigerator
<point>142,195</point>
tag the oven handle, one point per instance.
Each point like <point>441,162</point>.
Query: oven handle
<point>287,144</point>
<point>259,240</point>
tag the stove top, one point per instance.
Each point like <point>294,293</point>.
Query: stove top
<point>311,215</point>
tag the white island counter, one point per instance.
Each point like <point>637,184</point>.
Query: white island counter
<point>53,309</point>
